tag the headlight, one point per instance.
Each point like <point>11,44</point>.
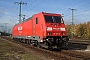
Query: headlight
<point>49,28</point>
<point>62,29</point>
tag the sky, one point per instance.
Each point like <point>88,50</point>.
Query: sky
<point>9,12</point>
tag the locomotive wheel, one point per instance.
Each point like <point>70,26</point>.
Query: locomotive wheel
<point>36,43</point>
<point>49,46</point>
<point>59,46</point>
<point>39,45</point>
<point>25,41</point>
<point>29,41</point>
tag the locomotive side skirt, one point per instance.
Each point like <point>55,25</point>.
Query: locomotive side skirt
<point>28,37</point>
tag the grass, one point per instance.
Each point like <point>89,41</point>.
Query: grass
<point>11,52</point>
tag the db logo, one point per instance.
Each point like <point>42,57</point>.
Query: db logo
<point>20,28</point>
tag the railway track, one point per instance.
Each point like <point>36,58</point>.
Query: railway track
<point>83,41</point>
<point>56,54</point>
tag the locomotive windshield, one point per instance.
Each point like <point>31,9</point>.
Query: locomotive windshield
<point>53,19</point>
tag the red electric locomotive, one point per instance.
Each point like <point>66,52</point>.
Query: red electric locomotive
<point>42,29</point>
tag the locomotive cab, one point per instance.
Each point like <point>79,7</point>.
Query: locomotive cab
<point>55,31</point>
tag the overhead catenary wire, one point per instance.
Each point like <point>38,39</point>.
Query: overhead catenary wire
<point>83,1</point>
<point>77,6</point>
<point>33,2</point>
<point>37,5</point>
<point>29,7</point>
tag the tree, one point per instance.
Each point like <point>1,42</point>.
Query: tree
<point>80,30</point>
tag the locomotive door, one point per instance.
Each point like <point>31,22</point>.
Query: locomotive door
<point>34,27</point>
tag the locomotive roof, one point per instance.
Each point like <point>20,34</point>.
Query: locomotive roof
<point>44,13</point>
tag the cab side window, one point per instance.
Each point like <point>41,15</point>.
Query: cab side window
<point>36,20</point>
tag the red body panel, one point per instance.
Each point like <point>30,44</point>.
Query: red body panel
<point>23,29</point>
<point>30,28</point>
